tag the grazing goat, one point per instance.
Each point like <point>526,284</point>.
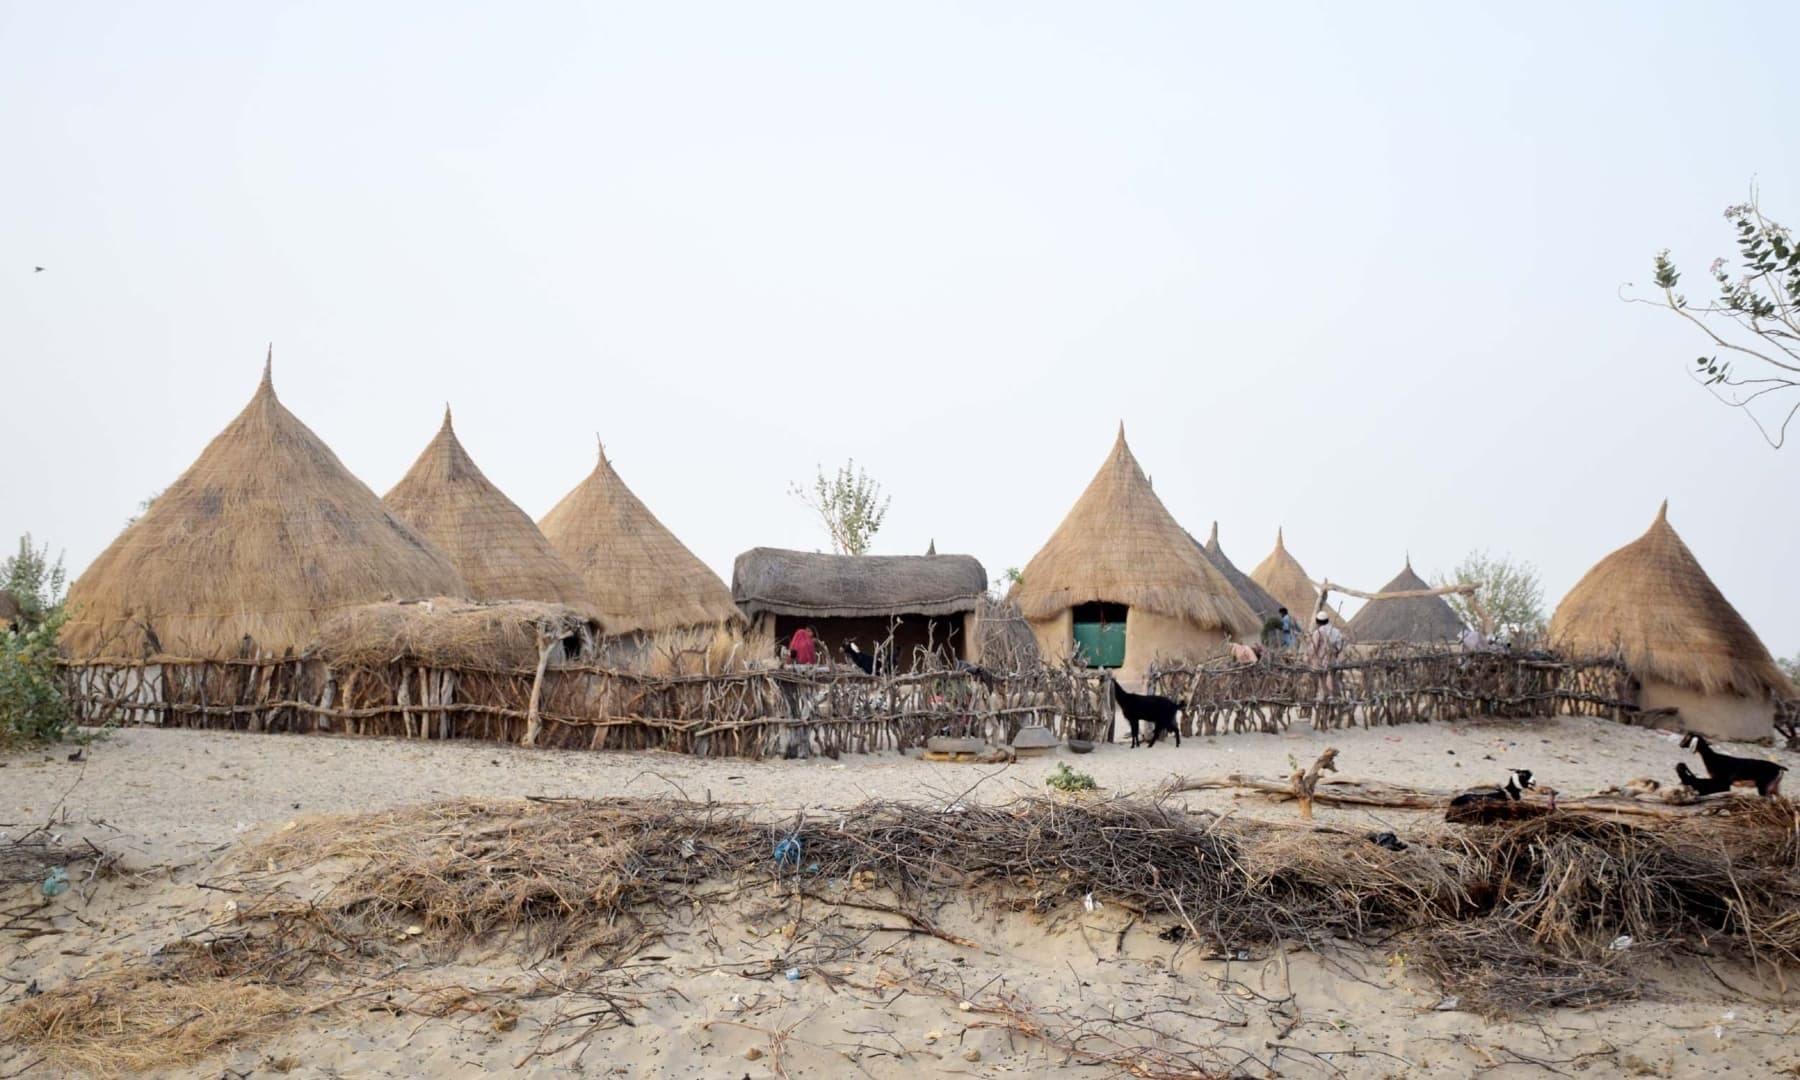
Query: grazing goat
<point>1766,775</point>
<point>1160,711</point>
<point>1702,785</point>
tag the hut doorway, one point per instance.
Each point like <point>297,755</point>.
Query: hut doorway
<point>1100,634</point>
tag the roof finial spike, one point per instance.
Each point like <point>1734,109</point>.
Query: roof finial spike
<point>1279,543</point>
<point>1663,514</point>
<point>268,378</point>
<point>1214,538</point>
<point>1409,558</point>
<point>931,548</point>
<point>600,446</point>
<point>446,416</point>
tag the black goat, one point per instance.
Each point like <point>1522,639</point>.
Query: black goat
<point>1160,711</point>
<point>875,663</point>
<point>1766,775</point>
<point>1702,785</point>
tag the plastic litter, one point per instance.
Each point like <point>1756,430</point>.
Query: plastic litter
<point>57,883</point>
<point>1620,943</point>
<point>787,850</point>
<point>1090,903</point>
<point>793,974</point>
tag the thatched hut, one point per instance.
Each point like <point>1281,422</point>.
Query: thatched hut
<point>639,577</point>
<point>1415,620</point>
<point>494,545</point>
<point>1282,576</point>
<point>448,633</point>
<point>265,536</point>
<point>901,603</point>
<point>1690,650</point>
<point>1123,583</point>
<point>1266,607</point>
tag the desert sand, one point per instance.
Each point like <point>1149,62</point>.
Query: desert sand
<point>173,804</point>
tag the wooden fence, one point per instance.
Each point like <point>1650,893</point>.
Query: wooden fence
<point>787,712</point>
<point>1398,687</point>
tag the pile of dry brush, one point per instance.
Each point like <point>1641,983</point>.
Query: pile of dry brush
<point>1508,917</point>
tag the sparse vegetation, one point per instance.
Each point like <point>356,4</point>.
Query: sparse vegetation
<point>1755,315</point>
<point>1067,779</point>
<point>1509,592</point>
<point>32,708</point>
<point>850,505</point>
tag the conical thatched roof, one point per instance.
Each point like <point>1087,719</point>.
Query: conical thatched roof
<point>1120,545</point>
<point>1420,619</point>
<point>265,536</point>
<point>639,577</point>
<point>1283,577</point>
<point>491,542</point>
<point>1651,601</point>
<point>1264,605</point>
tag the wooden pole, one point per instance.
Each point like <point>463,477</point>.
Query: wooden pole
<point>533,723</point>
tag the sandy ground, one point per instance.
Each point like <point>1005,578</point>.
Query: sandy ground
<point>167,796</point>
<point>171,802</point>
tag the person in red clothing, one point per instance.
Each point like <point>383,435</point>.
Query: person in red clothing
<point>804,647</point>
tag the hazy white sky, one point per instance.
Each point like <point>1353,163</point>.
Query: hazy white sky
<point>1350,269</point>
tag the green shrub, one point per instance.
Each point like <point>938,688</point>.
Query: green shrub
<point>31,698</point>
<point>32,706</point>
<point>1067,779</point>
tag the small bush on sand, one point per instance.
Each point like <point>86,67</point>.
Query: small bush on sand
<point>32,708</point>
<point>1067,779</point>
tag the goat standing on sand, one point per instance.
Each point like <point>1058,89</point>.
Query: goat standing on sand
<point>1160,711</point>
<point>1766,775</point>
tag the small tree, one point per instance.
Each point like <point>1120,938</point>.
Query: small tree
<point>1791,668</point>
<point>1756,315</point>
<point>35,583</point>
<point>850,505</point>
<point>1508,590</point>
<point>31,700</point>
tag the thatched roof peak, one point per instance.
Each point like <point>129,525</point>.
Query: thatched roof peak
<point>1254,595</point>
<point>1120,544</point>
<point>816,585</point>
<point>1286,580</point>
<point>638,575</point>
<point>1419,619</point>
<point>262,538</point>
<point>1652,602</point>
<point>492,543</point>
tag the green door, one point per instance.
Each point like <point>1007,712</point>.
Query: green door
<point>1100,634</point>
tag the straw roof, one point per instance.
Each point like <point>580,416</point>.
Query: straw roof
<point>1420,619</point>
<point>264,536</point>
<point>1264,605</point>
<point>491,542</point>
<point>1285,579</point>
<point>638,575</point>
<point>1651,601</point>
<point>450,633</point>
<point>813,585</point>
<point>1119,544</point>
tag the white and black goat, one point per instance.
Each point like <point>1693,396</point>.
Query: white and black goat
<point>1482,805</point>
<point>1766,775</point>
<point>1138,708</point>
<point>879,662</point>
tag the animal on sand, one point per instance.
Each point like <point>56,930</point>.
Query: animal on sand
<point>1702,785</point>
<point>1766,775</point>
<point>1502,803</point>
<point>1159,711</point>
